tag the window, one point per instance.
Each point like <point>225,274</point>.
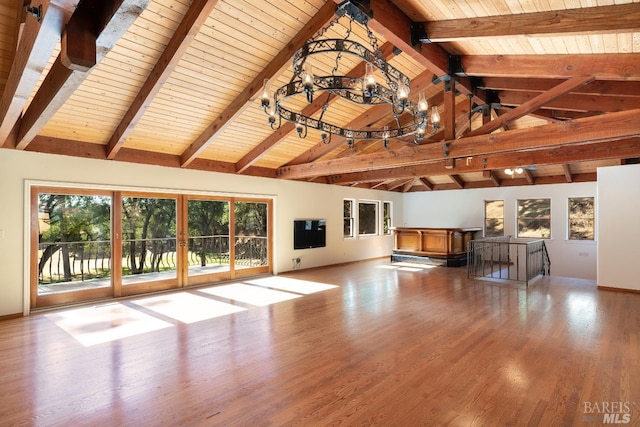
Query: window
<point>534,218</point>
<point>386,217</point>
<point>348,218</point>
<point>367,218</point>
<point>581,218</point>
<point>493,218</point>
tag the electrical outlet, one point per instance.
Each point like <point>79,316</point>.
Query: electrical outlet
<point>583,253</point>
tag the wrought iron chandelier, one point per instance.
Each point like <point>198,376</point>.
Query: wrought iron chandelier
<point>365,90</point>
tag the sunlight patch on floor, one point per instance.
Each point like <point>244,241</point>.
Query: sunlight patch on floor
<point>254,295</point>
<point>406,266</point>
<point>186,307</point>
<point>104,323</point>
<point>298,286</point>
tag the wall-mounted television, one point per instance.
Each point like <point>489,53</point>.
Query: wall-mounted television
<point>309,233</point>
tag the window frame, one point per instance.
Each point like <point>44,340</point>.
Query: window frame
<point>591,218</point>
<point>351,218</point>
<point>486,202</point>
<point>518,218</point>
<point>387,220</point>
<point>376,219</point>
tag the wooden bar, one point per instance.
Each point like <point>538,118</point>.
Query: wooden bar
<point>444,243</point>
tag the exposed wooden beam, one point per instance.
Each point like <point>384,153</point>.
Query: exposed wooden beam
<point>244,98</point>
<point>576,102</point>
<point>610,19</point>
<point>493,177</point>
<point>567,172</point>
<point>548,156</point>
<point>407,186</point>
<point>457,180</point>
<point>581,131</point>
<point>108,21</point>
<point>190,25</point>
<point>528,175</point>
<point>615,66</point>
<point>37,43</point>
<point>88,150</point>
<point>394,25</point>
<point>598,87</point>
<point>426,183</point>
<point>555,179</point>
<point>531,105</point>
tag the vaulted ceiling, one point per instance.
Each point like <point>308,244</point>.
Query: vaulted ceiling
<point>552,87</point>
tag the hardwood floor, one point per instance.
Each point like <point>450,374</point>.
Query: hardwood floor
<point>388,346</point>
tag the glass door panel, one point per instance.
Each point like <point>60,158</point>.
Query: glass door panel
<point>208,256</point>
<point>251,243</point>
<point>149,243</point>
<point>74,247</point>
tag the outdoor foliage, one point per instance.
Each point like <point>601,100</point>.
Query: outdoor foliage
<point>71,226</point>
<point>367,218</point>
<point>581,218</point>
<point>494,218</point>
<point>534,218</point>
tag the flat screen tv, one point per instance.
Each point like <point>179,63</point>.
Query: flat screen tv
<point>309,233</point>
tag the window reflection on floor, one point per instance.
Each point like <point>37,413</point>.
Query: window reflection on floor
<point>116,320</point>
<point>406,266</point>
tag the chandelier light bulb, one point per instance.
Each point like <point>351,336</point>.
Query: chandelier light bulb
<point>403,92</point>
<point>518,170</point>
<point>423,105</point>
<point>369,80</point>
<point>264,98</point>
<point>435,117</point>
<point>508,171</point>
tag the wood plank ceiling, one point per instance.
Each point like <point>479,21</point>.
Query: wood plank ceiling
<point>550,86</point>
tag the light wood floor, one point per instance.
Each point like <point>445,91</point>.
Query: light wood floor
<point>386,347</point>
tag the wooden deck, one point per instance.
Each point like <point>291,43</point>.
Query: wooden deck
<point>392,345</point>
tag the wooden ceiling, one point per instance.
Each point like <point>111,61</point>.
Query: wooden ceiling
<point>551,86</point>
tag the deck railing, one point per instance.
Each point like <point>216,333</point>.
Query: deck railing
<point>61,262</point>
<point>504,258</point>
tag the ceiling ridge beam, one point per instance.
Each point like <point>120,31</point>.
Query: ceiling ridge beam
<point>244,99</point>
<point>38,40</point>
<point>531,105</point>
<point>193,20</point>
<point>615,18</point>
<point>97,29</point>
<point>587,130</point>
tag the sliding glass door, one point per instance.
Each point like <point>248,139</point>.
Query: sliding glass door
<point>71,246</point>
<point>149,243</point>
<point>99,244</point>
<point>208,252</point>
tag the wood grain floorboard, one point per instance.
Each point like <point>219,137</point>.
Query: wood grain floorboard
<point>385,347</point>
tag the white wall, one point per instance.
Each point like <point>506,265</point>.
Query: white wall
<point>292,200</point>
<point>465,208</point>
<point>618,220</point>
